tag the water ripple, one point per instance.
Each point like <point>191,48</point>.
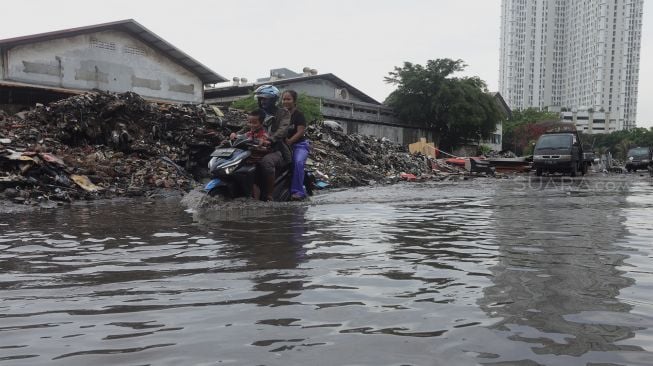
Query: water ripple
<point>518,272</point>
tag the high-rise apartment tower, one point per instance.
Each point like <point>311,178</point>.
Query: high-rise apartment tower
<point>573,56</point>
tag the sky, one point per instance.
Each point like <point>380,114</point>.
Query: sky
<point>359,41</point>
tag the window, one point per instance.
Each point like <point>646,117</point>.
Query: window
<point>96,43</point>
<point>129,50</point>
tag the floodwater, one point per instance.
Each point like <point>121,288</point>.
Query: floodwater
<point>528,271</point>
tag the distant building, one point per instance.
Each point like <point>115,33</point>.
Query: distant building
<point>590,121</point>
<point>495,141</point>
<point>572,55</point>
<point>117,57</point>
<point>339,101</point>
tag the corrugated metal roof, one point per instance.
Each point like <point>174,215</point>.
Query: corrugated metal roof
<point>134,28</point>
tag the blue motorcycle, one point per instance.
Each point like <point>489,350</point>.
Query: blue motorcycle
<point>233,171</point>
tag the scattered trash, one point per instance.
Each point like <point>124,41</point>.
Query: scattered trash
<point>84,182</point>
<point>408,177</point>
<point>423,147</point>
<point>333,125</point>
<point>105,145</point>
<point>321,185</point>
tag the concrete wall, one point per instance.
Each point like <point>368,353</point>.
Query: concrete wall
<point>110,60</point>
<point>359,111</point>
<point>592,122</point>
<point>318,88</point>
<point>402,135</point>
<point>2,64</point>
<point>333,106</point>
<point>495,141</point>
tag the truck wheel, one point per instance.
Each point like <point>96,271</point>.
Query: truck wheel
<point>538,172</point>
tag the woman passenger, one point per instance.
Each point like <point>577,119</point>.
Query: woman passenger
<point>298,143</point>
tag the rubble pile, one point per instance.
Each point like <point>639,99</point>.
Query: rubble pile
<point>354,160</point>
<point>104,145</point>
<point>126,122</point>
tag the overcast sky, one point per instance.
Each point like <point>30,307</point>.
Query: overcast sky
<point>360,41</point>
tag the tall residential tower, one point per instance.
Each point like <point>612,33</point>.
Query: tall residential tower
<point>574,56</point>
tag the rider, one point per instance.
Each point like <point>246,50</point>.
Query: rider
<point>277,122</point>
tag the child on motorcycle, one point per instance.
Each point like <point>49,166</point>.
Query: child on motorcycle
<point>276,122</point>
<point>258,133</point>
<point>256,130</point>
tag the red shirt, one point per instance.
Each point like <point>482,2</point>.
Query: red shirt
<point>258,151</point>
<point>259,134</point>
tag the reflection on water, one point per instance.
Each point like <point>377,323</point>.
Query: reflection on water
<point>559,261</point>
<point>514,273</point>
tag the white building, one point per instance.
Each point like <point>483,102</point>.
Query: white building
<point>589,121</point>
<point>572,55</point>
<point>117,57</point>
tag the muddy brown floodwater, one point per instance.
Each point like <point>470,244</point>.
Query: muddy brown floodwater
<point>522,271</point>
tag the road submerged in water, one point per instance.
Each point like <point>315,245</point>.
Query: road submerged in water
<point>521,271</point>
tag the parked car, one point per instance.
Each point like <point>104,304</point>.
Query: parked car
<point>560,150</point>
<point>638,158</point>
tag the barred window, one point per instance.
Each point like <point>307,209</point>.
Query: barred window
<point>108,46</point>
<point>130,50</point>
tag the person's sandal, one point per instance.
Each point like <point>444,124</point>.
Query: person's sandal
<point>296,197</point>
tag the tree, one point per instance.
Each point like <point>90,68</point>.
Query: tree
<point>619,142</point>
<point>622,148</point>
<point>308,105</point>
<point>456,109</point>
<point>524,127</point>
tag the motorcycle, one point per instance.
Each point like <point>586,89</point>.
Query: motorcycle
<point>233,171</point>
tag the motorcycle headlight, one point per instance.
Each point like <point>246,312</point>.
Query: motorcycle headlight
<point>230,169</point>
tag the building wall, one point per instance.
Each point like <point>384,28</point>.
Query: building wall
<point>319,88</point>
<point>401,135</point>
<point>495,141</point>
<point>572,54</point>
<point>109,60</point>
<point>360,111</point>
<point>342,106</point>
<point>591,122</point>
<point>2,64</point>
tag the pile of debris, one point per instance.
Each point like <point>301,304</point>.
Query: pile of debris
<point>354,160</point>
<point>105,145</point>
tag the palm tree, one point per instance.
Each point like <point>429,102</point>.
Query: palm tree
<point>622,148</point>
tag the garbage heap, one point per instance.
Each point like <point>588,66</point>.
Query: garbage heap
<point>105,145</point>
<point>344,160</point>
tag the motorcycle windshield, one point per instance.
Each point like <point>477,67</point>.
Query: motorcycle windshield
<point>223,152</point>
<point>237,156</point>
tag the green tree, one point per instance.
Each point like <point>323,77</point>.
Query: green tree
<point>308,105</point>
<point>618,142</point>
<point>456,109</point>
<point>523,126</point>
<point>622,148</point>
